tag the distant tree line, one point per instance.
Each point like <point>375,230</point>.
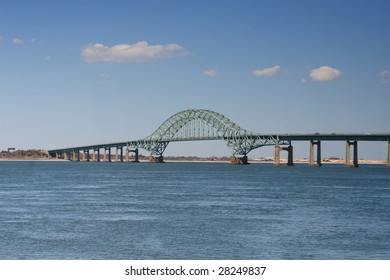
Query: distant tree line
<point>25,154</point>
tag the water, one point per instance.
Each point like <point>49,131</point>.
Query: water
<point>70,210</point>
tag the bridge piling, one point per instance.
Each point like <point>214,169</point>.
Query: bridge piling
<point>117,154</point>
<point>388,154</point>
<point>290,160</point>
<point>289,149</point>
<point>127,157</point>
<point>239,160</point>
<point>348,154</point>
<point>136,156</point>
<point>109,155</point>
<point>98,154</point>
<point>318,159</point>
<point>156,159</point>
<point>277,155</point>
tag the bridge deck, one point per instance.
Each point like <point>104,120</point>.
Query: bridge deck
<point>281,137</point>
<point>336,137</point>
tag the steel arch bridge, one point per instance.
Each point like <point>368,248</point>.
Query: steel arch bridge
<point>200,124</point>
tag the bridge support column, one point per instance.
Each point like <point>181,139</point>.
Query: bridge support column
<point>239,160</point>
<point>127,157</point>
<point>78,155</point>
<point>388,154</point>
<point>109,155</point>
<point>119,154</point>
<point>136,156</point>
<point>98,154</point>
<point>289,149</point>
<point>290,160</point>
<point>277,155</point>
<point>87,152</point>
<point>311,160</point>
<point>158,159</point>
<point>348,154</point>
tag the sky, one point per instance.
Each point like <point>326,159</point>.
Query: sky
<point>83,72</point>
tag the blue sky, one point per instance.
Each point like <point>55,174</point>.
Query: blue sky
<point>89,72</point>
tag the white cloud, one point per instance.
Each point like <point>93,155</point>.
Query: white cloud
<point>140,51</point>
<point>324,73</point>
<point>210,73</point>
<point>17,41</point>
<point>385,76</point>
<point>104,75</point>
<point>267,71</point>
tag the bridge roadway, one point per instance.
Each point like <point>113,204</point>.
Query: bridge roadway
<point>203,125</point>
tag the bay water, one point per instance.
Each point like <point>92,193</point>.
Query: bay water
<point>80,210</point>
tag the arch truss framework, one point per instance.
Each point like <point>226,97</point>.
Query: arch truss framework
<point>193,125</point>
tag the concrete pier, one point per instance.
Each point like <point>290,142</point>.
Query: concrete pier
<point>109,155</point>
<point>289,149</point>
<point>119,154</point>
<point>239,160</point>
<point>136,156</point>
<point>158,159</point>
<point>290,160</point>
<point>348,154</point>
<point>388,154</point>
<point>127,157</point>
<point>318,159</point>
<point>277,155</point>
<point>98,155</point>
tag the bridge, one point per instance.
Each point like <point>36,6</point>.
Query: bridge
<point>201,125</point>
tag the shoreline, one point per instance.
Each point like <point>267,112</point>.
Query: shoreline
<point>200,160</point>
